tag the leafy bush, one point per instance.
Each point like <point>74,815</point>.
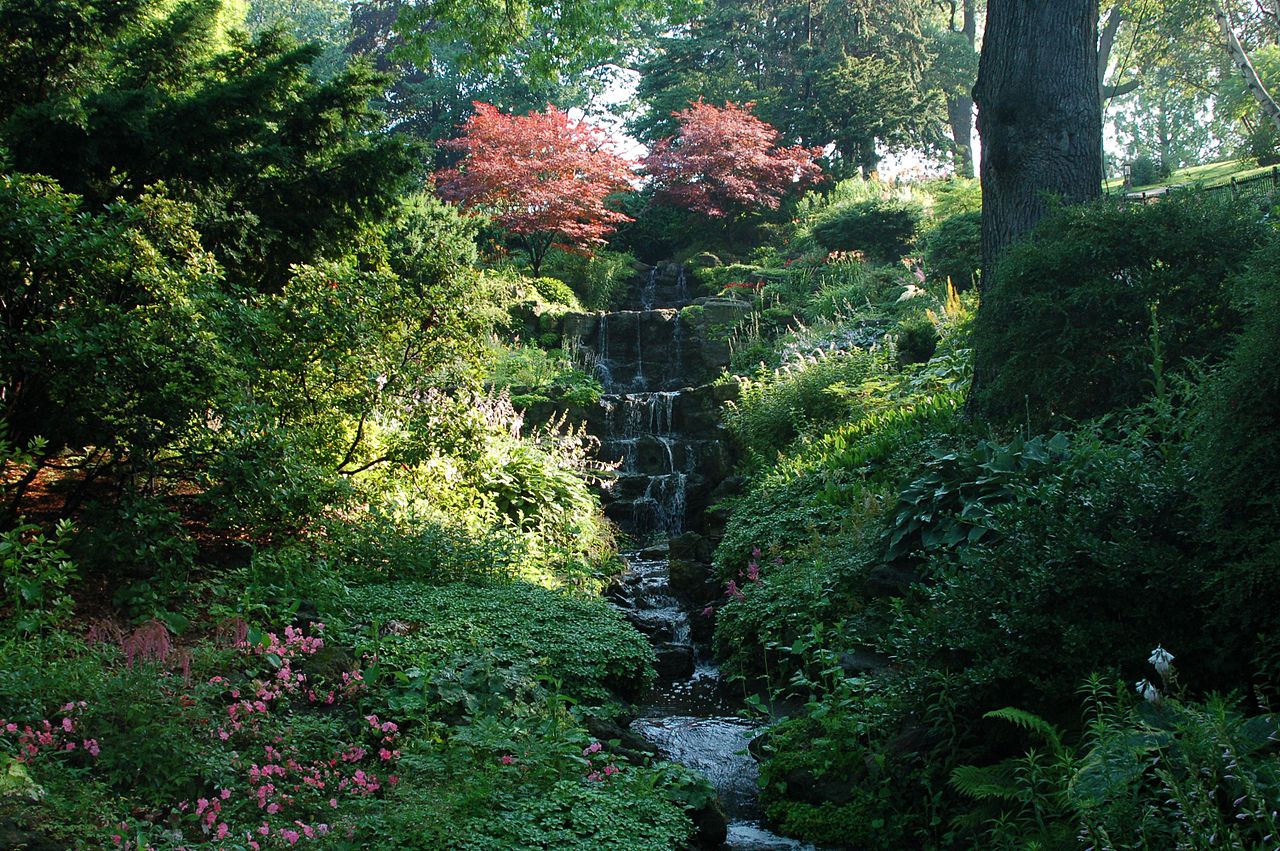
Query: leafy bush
<point>581,642</point>
<point>599,281</point>
<point>953,250</point>
<point>1146,170</point>
<point>916,340</point>
<point>954,196</point>
<point>35,573</point>
<point>1264,144</point>
<point>556,291</point>
<point>834,775</point>
<point>1066,326</point>
<point>1172,771</point>
<point>1236,447</point>
<point>777,407</point>
<point>1011,603</point>
<point>884,230</point>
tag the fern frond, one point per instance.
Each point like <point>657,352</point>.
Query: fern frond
<point>1031,722</point>
<point>986,783</point>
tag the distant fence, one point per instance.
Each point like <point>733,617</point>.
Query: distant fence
<point>1259,184</point>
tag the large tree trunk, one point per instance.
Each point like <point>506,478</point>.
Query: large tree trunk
<point>1039,114</point>
<point>1241,60</point>
<point>960,107</point>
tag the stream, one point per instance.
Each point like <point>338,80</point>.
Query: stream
<point>660,426</point>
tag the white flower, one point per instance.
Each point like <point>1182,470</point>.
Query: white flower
<point>1161,658</point>
<point>1149,693</point>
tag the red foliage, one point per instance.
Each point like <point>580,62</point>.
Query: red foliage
<point>725,161</point>
<point>541,176</point>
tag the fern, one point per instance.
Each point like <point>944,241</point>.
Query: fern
<point>1032,723</point>
<point>997,782</point>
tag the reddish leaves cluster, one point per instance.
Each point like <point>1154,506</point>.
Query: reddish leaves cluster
<point>726,161</point>
<point>542,177</point>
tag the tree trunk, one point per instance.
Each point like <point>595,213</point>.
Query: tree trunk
<point>960,107</point>
<point>960,117</point>
<point>1039,114</point>
<point>1241,60</point>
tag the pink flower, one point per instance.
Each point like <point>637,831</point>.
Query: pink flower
<point>732,588</point>
<point>67,725</point>
<point>223,830</point>
<point>507,759</point>
<point>708,611</point>
<point>755,552</point>
<point>224,794</point>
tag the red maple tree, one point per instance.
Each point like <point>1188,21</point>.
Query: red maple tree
<point>725,161</point>
<point>542,177</point>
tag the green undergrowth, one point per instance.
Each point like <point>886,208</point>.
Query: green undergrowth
<point>526,631</point>
<point>929,593</point>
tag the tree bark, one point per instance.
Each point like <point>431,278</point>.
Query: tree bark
<point>960,107</point>
<point>1039,114</point>
<point>1240,59</point>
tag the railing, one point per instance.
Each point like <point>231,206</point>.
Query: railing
<point>1259,184</point>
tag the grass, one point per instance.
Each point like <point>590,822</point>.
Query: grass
<point>1209,174</point>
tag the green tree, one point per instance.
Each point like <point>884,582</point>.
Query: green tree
<point>322,22</point>
<point>799,62</point>
<point>281,167</point>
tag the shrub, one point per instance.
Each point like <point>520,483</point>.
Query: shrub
<point>916,340</point>
<point>1237,457</point>
<point>581,642</point>
<point>1066,326</point>
<point>35,573</point>
<point>884,230</point>
<point>556,291</point>
<point>1264,144</point>
<point>1146,170</point>
<point>599,281</point>
<point>953,250</point>
<point>779,406</point>
<point>1012,605</point>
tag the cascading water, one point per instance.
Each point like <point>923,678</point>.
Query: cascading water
<point>650,290</point>
<point>689,714</point>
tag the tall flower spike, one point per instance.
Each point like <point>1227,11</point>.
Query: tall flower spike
<point>1161,659</point>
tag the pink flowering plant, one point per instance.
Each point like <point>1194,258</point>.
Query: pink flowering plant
<point>277,746</point>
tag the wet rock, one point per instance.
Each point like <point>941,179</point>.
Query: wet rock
<point>620,741</point>
<point>710,825</point>
<point>14,836</point>
<point>673,661</point>
<point>702,625</point>
<point>688,580</point>
<point>691,547</point>
<point>654,553</point>
<point>725,312</point>
<point>807,788</point>
<point>860,662</point>
<point>889,581</point>
<point>618,593</point>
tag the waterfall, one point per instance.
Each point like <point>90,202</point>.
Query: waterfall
<point>650,290</point>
